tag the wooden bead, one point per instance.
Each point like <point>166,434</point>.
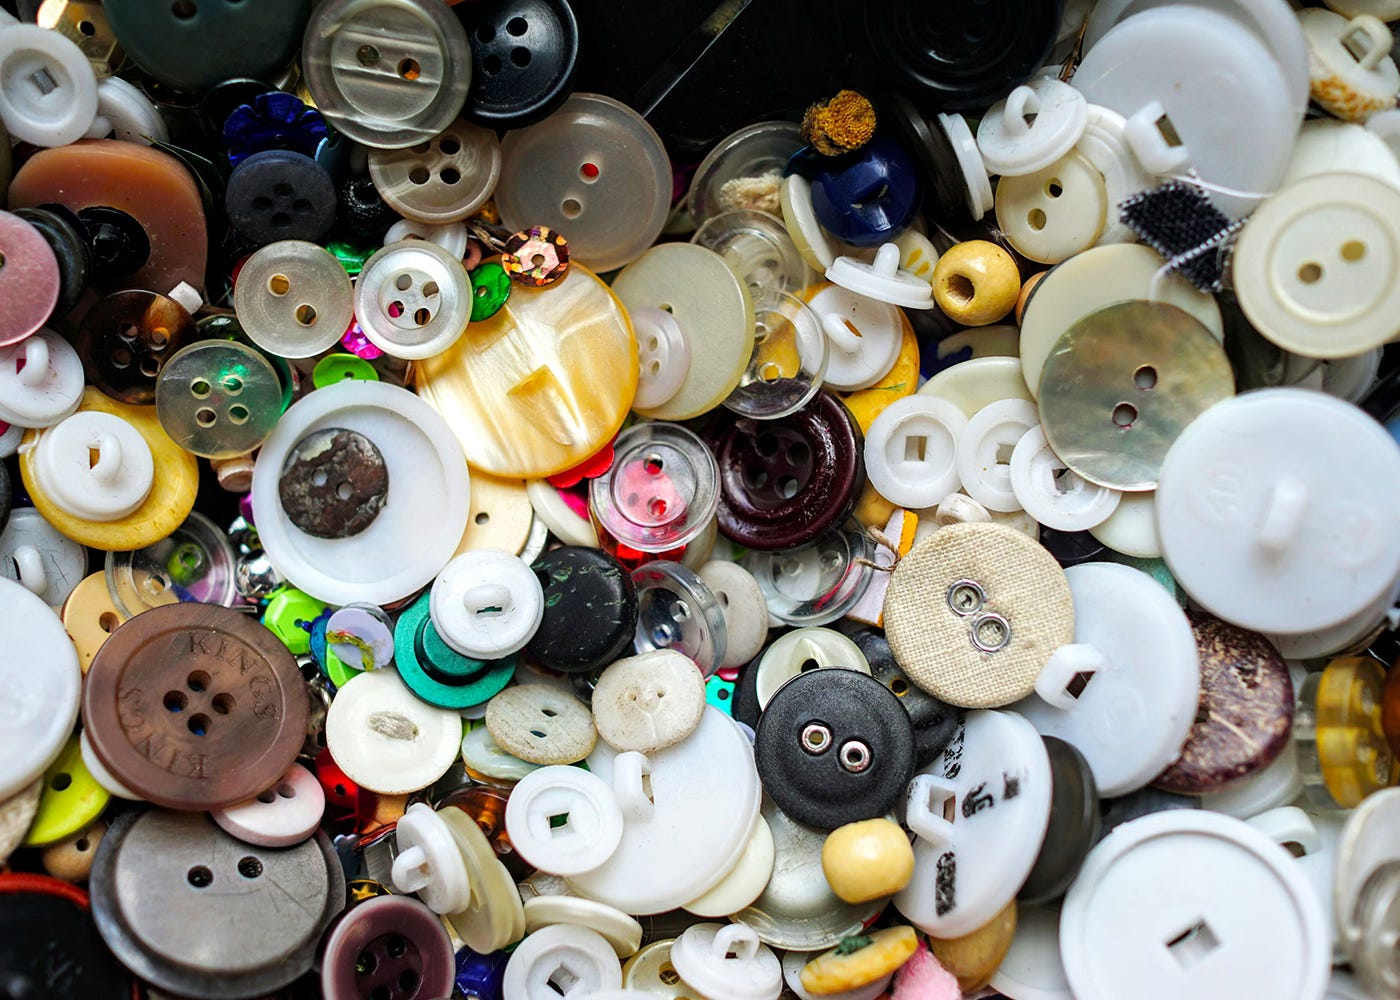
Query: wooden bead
<point>976,283</point>
<point>867,860</point>
<point>71,859</point>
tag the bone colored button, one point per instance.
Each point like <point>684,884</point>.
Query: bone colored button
<point>541,724</point>
<point>649,702</point>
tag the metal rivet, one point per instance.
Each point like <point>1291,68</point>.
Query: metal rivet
<point>855,756</point>
<point>816,738</point>
<point>990,632</point>
<point>966,597</point>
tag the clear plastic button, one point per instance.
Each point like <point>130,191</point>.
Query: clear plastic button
<point>662,489</point>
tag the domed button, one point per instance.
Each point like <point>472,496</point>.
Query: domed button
<point>524,53</point>
<point>280,195</point>
<point>590,610</point>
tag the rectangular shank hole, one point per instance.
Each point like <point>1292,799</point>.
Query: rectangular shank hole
<point>915,447</point>
<point>1194,944</point>
<point>562,981</point>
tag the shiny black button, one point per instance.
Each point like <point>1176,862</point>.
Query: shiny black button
<point>523,56</point>
<point>590,610</point>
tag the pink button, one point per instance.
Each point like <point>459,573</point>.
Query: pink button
<point>29,279</point>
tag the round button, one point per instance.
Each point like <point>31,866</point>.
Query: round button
<point>524,51</point>
<point>438,673</point>
<point>676,610</point>
<point>867,860</point>
<point>973,612</point>
<point>786,481</point>
<point>976,283</point>
<point>95,466</point>
<point>661,490</point>
<point>218,398</point>
<point>284,814</point>
<point>73,255</point>
<point>622,932</point>
<point>48,94</point>
<point>648,702</point>
<point>847,968</point>
<point>834,747</point>
<point>293,299</point>
<point>745,611</point>
<point>910,451</point>
<point>333,483</point>
<point>563,820</point>
<point>51,939</point>
<point>387,75</point>
<point>985,447</point>
<point>1052,494</point>
<point>280,195</point>
<point>29,278</point>
<point>1033,127</point>
<point>789,359</point>
<point>388,943</point>
<point>126,338</point>
<point>934,721</point>
<point>442,180</point>
<point>89,616</point>
<point>386,739</point>
<point>727,960</point>
<point>1074,824</point>
<point>1055,212</point>
<point>663,351</point>
<point>43,677</point>
<point>487,604</point>
<point>490,289</point>
<point>413,299</point>
<point>34,554</point>
<point>41,380</point>
<point>590,610</point>
<point>594,170</point>
<point>561,957</point>
<point>541,724</point>
<point>864,337</point>
<point>869,196</point>
<point>194,706</point>
<point>817,582</point>
<point>800,651</point>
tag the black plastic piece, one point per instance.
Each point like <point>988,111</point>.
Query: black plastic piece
<point>1074,824</point>
<point>1070,548</point>
<point>364,217</point>
<point>119,246</point>
<point>590,610</point>
<point>63,231</point>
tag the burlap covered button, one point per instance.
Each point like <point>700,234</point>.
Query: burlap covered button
<point>541,724</point>
<point>973,612</point>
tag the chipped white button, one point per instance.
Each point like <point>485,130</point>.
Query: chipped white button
<point>649,702</point>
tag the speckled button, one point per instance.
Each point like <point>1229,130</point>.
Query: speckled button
<point>590,610</point>
<point>29,278</point>
<point>1246,709</point>
<point>127,337</point>
<point>648,702</point>
<point>541,724</point>
<point>784,482</point>
<point>195,706</point>
<point>974,611</point>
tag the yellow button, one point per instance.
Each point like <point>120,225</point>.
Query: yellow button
<point>974,957</point>
<point>500,516</point>
<point>976,283</point>
<point>867,860</point>
<point>857,961</point>
<point>170,501</point>
<point>71,859</point>
<point>650,971</point>
<point>873,510</point>
<point>70,801</point>
<point>1339,713</point>
<point>541,385</point>
<point>90,616</point>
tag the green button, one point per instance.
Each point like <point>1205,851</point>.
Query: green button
<point>70,802</point>
<point>337,671</point>
<point>351,257</point>
<point>436,672</point>
<point>720,693</point>
<point>490,289</point>
<point>335,368</point>
<point>289,615</point>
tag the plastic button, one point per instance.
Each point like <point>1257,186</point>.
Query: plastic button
<point>563,820</point>
<point>1051,493</point>
<point>660,491</point>
<point>864,337</point>
<point>524,51</point>
<point>676,610</point>
<point>867,860</point>
<point>125,340</point>
<point>648,702</point>
<point>293,299</point>
<point>590,613</point>
<point>95,466</point>
<point>1074,824</point>
<point>817,582</point>
<point>745,881</point>
<point>48,94</point>
<point>41,380</point>
<point>39,558</point>
<point>742,604</point>
<point>864,960</point>
<point>802,650</point>
<point>385,739</point>
<point>561,960</point>
<point>1036,125</point>
<point>727,960</point>
<point>29,279</point>
<point>620,930</point>
<point>487,604</point>
<point>1353,75</point>
<point>280,195</point>
<point>1055,212</point>
<point>934,721</point>
<point>388,943</point>
<point>218,399</point>
<point>442,180</point>
<point>868,197</point>
<point>985,446</point>
<point>286,813</point>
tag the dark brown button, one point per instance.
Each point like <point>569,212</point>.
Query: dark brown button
<point>334,483</point>
<point>784,482</point>
<point>195,706</point>
<point>1245,713</point>
<point>126,339</point>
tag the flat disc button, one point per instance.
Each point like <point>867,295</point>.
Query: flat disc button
<point>525,52</point>
<point>195,706</point>
<point>218,398</point>
<point>125,340</point>
<point>334,483</point>
<point>1122,383</point>
<point>29,278</point>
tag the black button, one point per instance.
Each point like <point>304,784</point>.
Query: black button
<point>1074,824</point>
<point>118,244</point>
<point>280,195</point>
<point>834,747</point>
<point>1070,548</point>
<point>523,56</point>
<point>364,217</point>
<point>63,231</point>
<point>934,721</point>
<point>745,707</point>
<point>939,169</point>
<point>51,946</point>
<point>590,610</point>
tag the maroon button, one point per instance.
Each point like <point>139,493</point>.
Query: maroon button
<point>126,339</point>
<point>388,948</point>
<point>195,706</point>
<point>784,482</point>
<point>29,279</point>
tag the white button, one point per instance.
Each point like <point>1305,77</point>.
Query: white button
<point>1276,785</point>
<point>1032,968</point>
<point>1132,528</point>
<point>294,299</point>
<point>94,466</point>
<point>1124,693</point>
<point>649,702</point>
<point>541,724</point>
<point>1211,939</point>
<point>10,439</point>
<point>704,799</point>
<point>286,814</point>
<point>620,930</point>
<point>1036,125</point>
<point>1352,73</point>
<point>1051,493</point>
<point>125,113</point>
<point>959,508</point>
<point>563,820</point>
<point>801,650</point>
<point>41,380</point>
<point>884,279</point>
<point>968,868</point>
<point>34,554</point>
<point>99,771</point>
<point>1327,146</point>
<point>484,756</point>
<point>911,451</point>
<point>487,604</point>
<point>41,678</point>
<point>865,336</point>
<point>1255,524</point>
<point>571,526</point>
<point>413,299</point>
<point>1317,267</point>
<point>663,353</point>
<point>745,881</point>
<point>814,243</point>
<point>984,452</point>
<point>979,185</point>
<point>428,862</point>
<point>978,382</point>
<point>385,739</point>
<point>727,962</point>
<point>745,610</point>
<point>48,93</point>
<point>1105,147</point>
<point>360,635</point>
<point>1055,212</point>
<point>562,961</point>
<point>451,236</point>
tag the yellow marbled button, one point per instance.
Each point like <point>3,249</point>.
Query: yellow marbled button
<point>867,860</point>
<point>976,283</point>
<point>857,961</point>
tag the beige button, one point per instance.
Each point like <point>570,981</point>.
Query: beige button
<point>805,649</point>
<point>620,930</point>
<point>651,971</point>
<point>16,813</point>
<point>974,611</point>
<point>649,702</point>
<point>90,616</point>
<point>541,724</point>
<point>71,859</point>
<point>745,610</point>
<point>500,516</point>
<point>745,881</point>
<point>294,299</point>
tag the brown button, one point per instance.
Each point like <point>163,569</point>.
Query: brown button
<point>334,483</point>
<point>126,339</point>
<point>195,706</point>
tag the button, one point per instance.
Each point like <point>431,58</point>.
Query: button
<point>403,86</point>
<point>226,681</point>
<point>660,491</point>
<point>562,960</point>
<point>1352,73</point>
<point>250,124</point>
<point>1149,674</point>
<point>594,170</point>
<point>333,483</point>
<point>284,814</point>
<point>1034,126</point>
<point>973,957</point>
<point>48,93</point>
<point>834,748</point>
<point>976,283</point>
<point>648,702</point>
<point>620,930</point>
<point>279,194</point>
<point>293,299</point>
<point>126,339</point>
<point>1002,607</point>
<point>501,516</point>
<point>867,197</point>
<point>487,604</point>
<point>70,802</point>
<point>727,960</point>
<point>218,398</point>
<point>884,279</point>
<point>1074,824</point>
<point>194,562</point>
<point>1192,850</point>
<point>984,448</point>
<point>41,380</point>
<point>541,724</point>
<point>94,466</point>
<point>1246,710</point>
<point>494,917</point>
<point>39,558</point>
<point>536,257</point>
<point>950,163</point>
<point>52,939</point>
<point>816,246</point>
<point>486,760</point>
<point>793,961</point>
<point>590,610</point>
<point>451,236</point>
<point>524,52</point>
<point>788,363</point>
<point>563,820</point>
<point>481,975</point>
<point>745,881</point>
<point>429,862</point>
<point>818,582</point>
<point>420,522</point>
<point>541,386</point>
<point>386,739</point>
<point>867,860</point>
<point>934,722</point>
<point>979,815</point>
<point>800,651</point>
<point>754,244</point>
<point>228,895</point>
<point>90,616</point>
<point>440,674</point>
<point>864,337</point>
<point>490,289</point>
<point>1338,726</point>
<point>865,960</point>
<point>388,943</point>
<point>676,610</point>
<point>361,634</point>
<point>335,368</point>
<point>71,859</point>
<point>1055,496</point>
<point>413,299</point>
<point>663,351</point>
<point>444,179</point>
<point>70,249</point>
<point>1055,212</point>
<point>651,973</point>
<point>29,278</point>
<point>742,604</point>
<point>1364,883</point>
<point>787,481</point>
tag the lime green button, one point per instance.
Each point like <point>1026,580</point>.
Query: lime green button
<point>337,671</point>
<point>335,368</point>
<point>289,615</point>
<point>490,289</point>
<point>70,801</point>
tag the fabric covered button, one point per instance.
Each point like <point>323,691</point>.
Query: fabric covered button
<point>648,702</point>
<point>575,581</point>
<point>541,724</point>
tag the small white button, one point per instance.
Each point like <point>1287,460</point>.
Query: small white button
<point>487,604</point>
<point>911,451</point>
<point>663,354</point>
<point>484,755</point>
<point>286,814</point>
<point>360,635</point>
<point>48,93</point>
<point>865,337</point>
<point>1037,124</point>
<point>34,554</point>
<point>41,380</point>
<point>94,466</point>
<point>649,702</point>
<point>570,525</point>
<point>1132,527</point>
<point>451,236</point>
<point>884,279</point>
<point>562,961</point>
<point>805,649</point>
<point>428,861</point>
<point>985,447</point>
<point>1055,212</point>
<point>541,724</point>
<point>563,820</point>
<point>727,962</point>
<point>413,299</point>
<point>745,610</point>
<point>127,114</point>
<point>1051,493</point>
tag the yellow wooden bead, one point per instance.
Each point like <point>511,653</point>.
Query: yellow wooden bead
<point>1025,294</point>
<point>976,283</point>
<point>867,860</point>
<point>71,859</point>
<point>974,957</point>
<point>856,962</point>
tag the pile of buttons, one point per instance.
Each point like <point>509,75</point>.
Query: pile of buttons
<point>520,499</point>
